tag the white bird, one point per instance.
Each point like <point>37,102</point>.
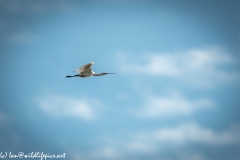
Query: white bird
<point>86,71</point>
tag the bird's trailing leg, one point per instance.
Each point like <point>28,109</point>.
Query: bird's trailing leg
<point>72,76</point>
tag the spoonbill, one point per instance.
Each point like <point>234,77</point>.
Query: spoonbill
<point>86,71</point>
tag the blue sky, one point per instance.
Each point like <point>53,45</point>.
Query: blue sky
<point>175,94</point>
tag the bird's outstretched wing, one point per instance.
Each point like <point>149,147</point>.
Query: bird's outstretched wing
<point>85,67</point>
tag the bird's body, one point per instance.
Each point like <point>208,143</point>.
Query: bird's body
<point>86,71</point>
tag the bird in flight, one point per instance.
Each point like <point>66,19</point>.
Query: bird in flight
<point>86,71</point>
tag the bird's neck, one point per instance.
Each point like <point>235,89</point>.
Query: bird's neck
<point>98,74</point>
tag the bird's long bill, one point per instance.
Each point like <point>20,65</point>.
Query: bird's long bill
<point>110,73</point>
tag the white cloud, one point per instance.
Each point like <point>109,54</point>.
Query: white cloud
<point>10,140</point>
<point>181,136</point>
<point>173,105</point>
<point>192,156</point>
<point>107,152</point>
<point>103,152</point>
<point>204,67</point>
<point>177,140</point>
<point>39,7</point>
<point>4,118</point>
<point>156,143</point>
<point>140,146</point>
<point>58,106</point>
<point>194,133</point>
<point>21,37</point>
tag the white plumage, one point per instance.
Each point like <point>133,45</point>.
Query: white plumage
<point>86,71</point>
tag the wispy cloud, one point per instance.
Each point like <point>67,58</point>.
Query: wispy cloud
<point>59,105</point>
<point>34,7</point>
<point>20,38</point>
<point>9,138</point>
<point>204,67</point>
<point>103,152</point>
<point>133,145</point>
<point>4,118</point>
<point>16,29</point>
<point>172,105</point>
<point>181,136</point>
<point>194,133</point>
